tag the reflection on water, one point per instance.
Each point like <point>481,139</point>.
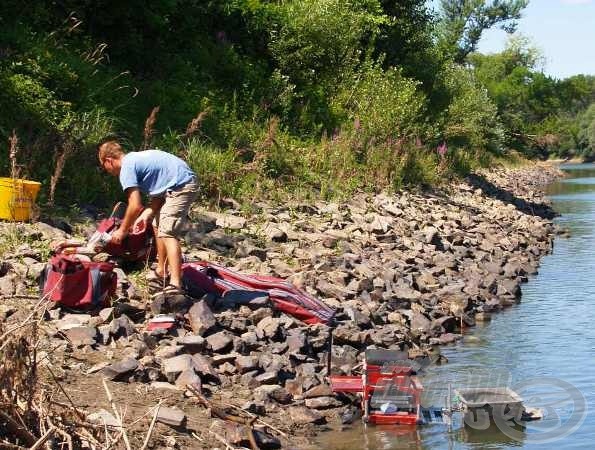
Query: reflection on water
<point>543,348</point>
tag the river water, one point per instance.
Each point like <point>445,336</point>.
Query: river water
<point>543,348</point>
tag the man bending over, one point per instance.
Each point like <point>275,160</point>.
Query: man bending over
<point>171,187</point>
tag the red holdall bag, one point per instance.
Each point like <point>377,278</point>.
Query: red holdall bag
<point>78,284</point>
<point>138,245</point>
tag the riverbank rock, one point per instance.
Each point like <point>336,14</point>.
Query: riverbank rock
<point>405,271</point>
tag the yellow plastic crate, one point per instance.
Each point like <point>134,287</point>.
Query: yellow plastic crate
<point>17,197</point>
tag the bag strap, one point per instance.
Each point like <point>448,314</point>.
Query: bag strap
<point>43,278</point>
<point>95,276</point>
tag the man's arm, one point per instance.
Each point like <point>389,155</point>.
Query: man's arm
<point>151,211</point>
<point>133,210</point>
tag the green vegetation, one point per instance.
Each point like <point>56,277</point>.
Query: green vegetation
<point>265,98</point>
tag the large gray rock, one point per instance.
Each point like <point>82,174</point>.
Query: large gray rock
<point>50,233</point>
<point>191,343</point>
<point>268,327</point>
<point>203,366</point>
<point>172,367</point>
<point>72,321</point>
<point>80,336</point>
<point>269,377</point>
<point>420,323</point>
<point>302,416</point>
<point>322,402</point>
<point>103,418</point>
<point>188,377</point>
<point>219,342</point>
<point>405,293</point>
<point>296,341</point>
<point>228,221</point>
<point>120,369</point>
<point>122,326</point>
<point>322,390</point>
<point>201,317</point>
<point>246,363</point>
<point>8,285</point>
<point>171,416</point>
<point>272,391</point>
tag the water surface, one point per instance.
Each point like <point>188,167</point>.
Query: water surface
<point>544,348</point>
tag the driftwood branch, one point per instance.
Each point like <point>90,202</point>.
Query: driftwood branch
<point>110,399</point>
<point>17,429</point>
<point>42,440</point>
<point>222,414</point>
<point>152,426</point>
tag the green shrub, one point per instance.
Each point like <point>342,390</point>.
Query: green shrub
<point>381,104</point>
<point>471,118</point>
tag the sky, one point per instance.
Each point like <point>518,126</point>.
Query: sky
<point>563,30</point>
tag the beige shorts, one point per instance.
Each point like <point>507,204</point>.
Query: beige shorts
<point>173,215</point>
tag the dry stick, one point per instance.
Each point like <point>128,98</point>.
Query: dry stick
<point>19,296</point>
<point>84,434</point>
<point>222,440</point>
<point>149,124</point>
<point>220,413</point>
<point>196,436</point>
<point>43,439</point>
<point>14,150</point>
<point>8,446</point>
<point>134,422</point>
<point>259,420</point>
<point>110,399</point>
<point>22,324</point>
<point>67,437</point>
<point>78,413</point>
<point>148,438</point>
<point>16,412</point>
<point>16,428</point>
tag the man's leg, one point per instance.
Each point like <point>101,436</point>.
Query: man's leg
<point>172,219</point>
<point>161,256</point>
<point>174,260</point>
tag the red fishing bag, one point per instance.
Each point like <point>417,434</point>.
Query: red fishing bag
<point>136,246</point>
<point>78,284</point>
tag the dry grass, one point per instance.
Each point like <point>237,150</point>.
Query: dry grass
<point>62,156</point>
<point>30,413</point>
<point>13,143</point>
<point>149,129</point>
<point>194,126</point>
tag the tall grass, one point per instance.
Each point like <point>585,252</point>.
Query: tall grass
<point>280,165</point>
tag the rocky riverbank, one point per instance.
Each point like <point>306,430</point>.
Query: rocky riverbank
<point>405,271</point>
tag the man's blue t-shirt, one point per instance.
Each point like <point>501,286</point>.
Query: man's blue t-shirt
<point>154,172</point>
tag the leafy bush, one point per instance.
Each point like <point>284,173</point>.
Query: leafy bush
<point>471,119</point>
<point>317,44</point>
<point>381,104</point>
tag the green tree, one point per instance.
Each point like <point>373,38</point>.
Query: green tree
<point>464,21</point>
<point>586,133</point>
<point>406,40</point>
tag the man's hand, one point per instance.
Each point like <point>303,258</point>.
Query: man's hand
<point>145,218</point>
<point>119,235</point>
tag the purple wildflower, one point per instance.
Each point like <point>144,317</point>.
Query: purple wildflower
<point>442,149</point>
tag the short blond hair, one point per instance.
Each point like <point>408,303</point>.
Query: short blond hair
<point>110,149</point>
